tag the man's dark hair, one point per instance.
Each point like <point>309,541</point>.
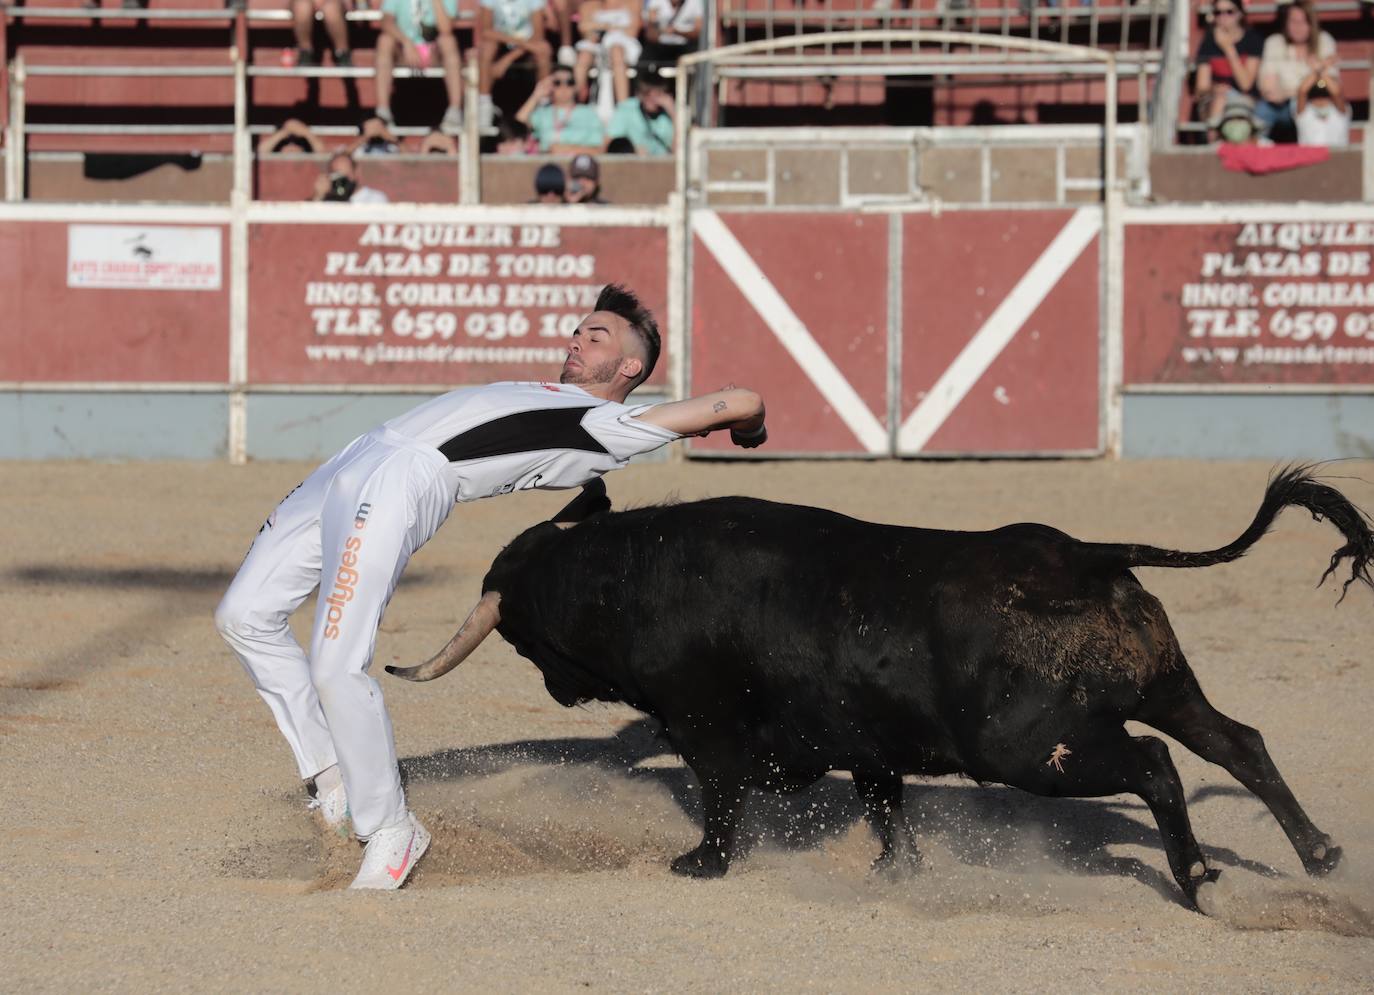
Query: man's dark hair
<point>620,300</point>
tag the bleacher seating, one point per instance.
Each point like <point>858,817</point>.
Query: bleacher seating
<point>205,42</point>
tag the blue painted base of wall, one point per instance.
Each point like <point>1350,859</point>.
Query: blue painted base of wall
<point>43,425</point>
<point>1248,426</point>
<point>53,425</point>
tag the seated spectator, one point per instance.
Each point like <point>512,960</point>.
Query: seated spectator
<point>303,24</point>
<point>560,124</point>
<point>1228,59</point>
<point>341,182</point>
<point>437,143</point>
<point>510,30</point>
<point>1323,116</point>
<point>672,28</point>
<point>610,33</point>
<point>1293,52</point>
<point>1237,124</point>
<point>294,137</point>
<point>549,185</point>
<point>374,138</point>
<point>412,29</point>
<point>646,121</point>
<point>515,138</point>
<point>584,181</point>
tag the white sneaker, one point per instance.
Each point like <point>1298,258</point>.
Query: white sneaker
<point>391,854</point>
<point>452,124</point>
<point>567,56</point>
<point>384,112</point>
<point>331,808</point>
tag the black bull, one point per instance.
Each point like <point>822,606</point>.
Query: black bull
<point>776,643</point>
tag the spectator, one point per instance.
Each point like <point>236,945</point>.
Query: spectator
<point>610,33</point>
<point>374,138</point>
<point>437,143</point>
<point>1323,116</point>
<point>515,138</point>
<point>303,23</point>
<point>1291,54</point>
<point>517,26</point>
<point>646,121</point>
<point>560,124</point>
<point>1238,125</point>
<point>294,137</point>
<point>672,28</point>
<point>341,183</point>
<point>1228,59</point>
<point>411,29</point>
<point>549,185</point>
<point>584,181</point>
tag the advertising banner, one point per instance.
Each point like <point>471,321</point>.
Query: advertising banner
<point>113,303</point>
<point>1258,302</point>
<point>143,257</point>
<point>436,303</point>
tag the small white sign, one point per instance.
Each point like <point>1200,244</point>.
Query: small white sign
<point>143,257</point>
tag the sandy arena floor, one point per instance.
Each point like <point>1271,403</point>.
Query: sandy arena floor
<point>155,837</point>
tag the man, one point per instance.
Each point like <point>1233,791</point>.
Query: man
<point>411,29</point>
<point>584,181</point>
<point>550,185</point>
<point>341,182</point>
<point>374,138</point>
<point>353,524</point>
<point>646,120</point>
<point>1323,114</point>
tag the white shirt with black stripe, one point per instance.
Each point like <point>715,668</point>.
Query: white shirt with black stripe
<point>514,436</point>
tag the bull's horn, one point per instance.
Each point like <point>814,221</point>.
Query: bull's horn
<point>485,617</point>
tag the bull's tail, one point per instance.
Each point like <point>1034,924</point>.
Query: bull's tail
<point>1293,485</point>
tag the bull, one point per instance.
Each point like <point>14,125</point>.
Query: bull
<point>776,643</point>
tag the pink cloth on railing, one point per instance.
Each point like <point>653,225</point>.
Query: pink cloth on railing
<point>1260,159</point>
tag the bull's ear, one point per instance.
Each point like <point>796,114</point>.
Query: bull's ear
<point>592,501</point>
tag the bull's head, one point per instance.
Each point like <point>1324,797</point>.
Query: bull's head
<point>487,614</point>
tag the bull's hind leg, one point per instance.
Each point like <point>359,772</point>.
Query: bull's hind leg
<point>1115,763</point>
<point>882,798</point>
<point>722,801</point>
<point>1217,738</point>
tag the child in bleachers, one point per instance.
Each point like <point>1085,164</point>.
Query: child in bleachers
<point>1291,54</point>
<point>510,30</point>
<point>303,24</point>
<point>412,30</point>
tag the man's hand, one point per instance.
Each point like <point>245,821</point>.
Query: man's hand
<point>749,440</point>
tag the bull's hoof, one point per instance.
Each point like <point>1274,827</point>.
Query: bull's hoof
<point>703,862</point>
<point>1322,860</point>
<point>898,863</point>
<point>1201,893</point>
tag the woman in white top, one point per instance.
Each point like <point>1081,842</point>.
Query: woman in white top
<point>1296,50</point>
<point>609,28</point>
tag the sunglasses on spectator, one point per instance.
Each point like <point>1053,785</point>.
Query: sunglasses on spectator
<point>1225,11</point>
<point>562,81</point>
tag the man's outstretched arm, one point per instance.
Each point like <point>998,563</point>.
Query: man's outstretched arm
<point>739,410</point>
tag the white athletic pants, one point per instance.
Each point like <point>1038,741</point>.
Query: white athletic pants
<point>349,528</point>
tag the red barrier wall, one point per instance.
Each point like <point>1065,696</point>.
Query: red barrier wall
<point>53,332</point>
<point>816,283</point>
<point>1252,303</point>
<point>1000,322</point>
<point>442,304</point>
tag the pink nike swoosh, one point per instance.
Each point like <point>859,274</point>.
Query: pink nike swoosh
<point>396,872</point>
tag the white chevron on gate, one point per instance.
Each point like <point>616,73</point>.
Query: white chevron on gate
<point>789,330</point>
<point>998,331</point>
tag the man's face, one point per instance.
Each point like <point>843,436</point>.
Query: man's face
<point>652,99</point>
<point>601,349</point>
<point>342,165</point>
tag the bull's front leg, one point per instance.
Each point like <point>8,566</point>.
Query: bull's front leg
<point>882,798</point>
<point>722,801</point>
